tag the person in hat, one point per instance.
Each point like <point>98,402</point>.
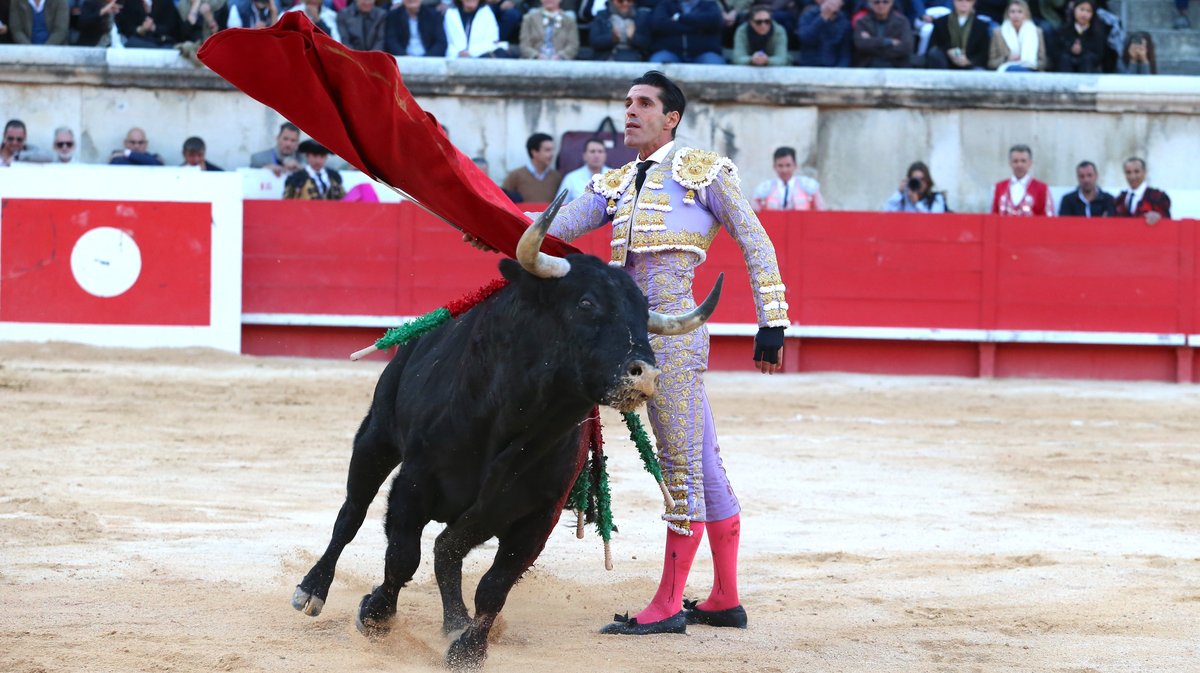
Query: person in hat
<point>314,181</point>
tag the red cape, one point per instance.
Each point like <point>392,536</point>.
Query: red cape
<point>355,103</point>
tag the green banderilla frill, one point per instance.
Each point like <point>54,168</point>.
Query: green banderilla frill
<point>640,439</point>
<point>398,336</point>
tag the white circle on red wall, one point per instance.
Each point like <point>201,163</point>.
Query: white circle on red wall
<point>106,262</point>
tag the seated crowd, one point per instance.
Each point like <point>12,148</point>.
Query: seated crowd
<point>1001,35</point>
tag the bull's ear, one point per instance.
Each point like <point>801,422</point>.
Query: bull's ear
<point>510,269</point>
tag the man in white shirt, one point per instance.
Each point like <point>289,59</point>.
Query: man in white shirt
<point>787,191</point>
<point>595,154</point>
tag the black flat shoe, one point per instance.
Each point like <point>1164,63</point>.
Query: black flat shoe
<point>624,625</point>
<point>734,617</point>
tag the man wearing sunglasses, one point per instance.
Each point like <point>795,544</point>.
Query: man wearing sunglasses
<point>14,147</point>
<point>883,38</point>
<point>64,146</point>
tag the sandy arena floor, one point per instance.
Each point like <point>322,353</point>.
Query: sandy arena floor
<point>157,509</point>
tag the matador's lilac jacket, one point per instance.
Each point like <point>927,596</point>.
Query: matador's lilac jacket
<point>659,236</point>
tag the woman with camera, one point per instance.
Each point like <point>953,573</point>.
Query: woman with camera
<point>916,193</point>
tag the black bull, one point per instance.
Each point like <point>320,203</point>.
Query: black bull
<point>484,415</point>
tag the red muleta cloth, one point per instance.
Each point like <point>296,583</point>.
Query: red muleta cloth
<point>355,104</point>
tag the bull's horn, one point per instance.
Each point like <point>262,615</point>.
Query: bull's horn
<point>670,325</point>
<point>529,249</point>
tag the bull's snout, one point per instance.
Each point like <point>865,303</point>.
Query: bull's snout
<point>642,377</point>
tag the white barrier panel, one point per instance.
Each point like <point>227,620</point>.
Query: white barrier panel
<point>131,256</point>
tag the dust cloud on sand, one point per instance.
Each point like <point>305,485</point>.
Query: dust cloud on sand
<point>157,509</point>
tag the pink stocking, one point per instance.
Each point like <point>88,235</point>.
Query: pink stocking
<point>677,562</point>
<point>723,538</point>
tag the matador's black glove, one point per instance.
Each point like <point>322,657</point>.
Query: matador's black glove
<point>767,343</point>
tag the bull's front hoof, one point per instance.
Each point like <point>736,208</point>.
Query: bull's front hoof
<point>306,602</point>
<point>374,619</point>
<point>465,654</point>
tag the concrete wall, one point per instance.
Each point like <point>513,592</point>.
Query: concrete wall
<point>855,130</point>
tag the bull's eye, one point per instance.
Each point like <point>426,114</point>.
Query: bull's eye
<point>586,304</point>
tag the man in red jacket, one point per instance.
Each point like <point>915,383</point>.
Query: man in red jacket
<point>1140,198</point>
<point>1021,194</point>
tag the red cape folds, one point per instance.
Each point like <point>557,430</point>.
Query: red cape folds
<point>355,103</point>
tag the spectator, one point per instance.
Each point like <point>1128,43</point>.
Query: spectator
<point>883,38</point>
<point>959,40</point>
<point>283,158</point>
<point>1181,19</point>
<point>1021,194</point>
<point>64,146</point>
<point>536,181</point>
<point>686,32</point>
<point>322,17</point>
<point>482,164</point>
<point>95,22</point>
<point>1140,198</point>
<point>824,33</point>
<point>315,182</point>
<point>595,154</point>
<point>1019,45</point>
<point>509,15</point>
<point>149,24</point>
<point>472,31</point>
<point>1081,43</point>
<point>13,148</point>
<point>136,152</point>
<point>760,41</point>
<point>1088,200</point>
<point>193,155</point>
<point>787,191</point>
<point>916,193</point>
<point>1138,57</point>
<point>39,21</point>
<point>362,25</point>
<point>200,19</point>
<point>616,34</point>
<point>254,14</point>
<point>415,29</point>
<point>549,34</point>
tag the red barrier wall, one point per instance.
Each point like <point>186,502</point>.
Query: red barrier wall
<point>1029,292</point>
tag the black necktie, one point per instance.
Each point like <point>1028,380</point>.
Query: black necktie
<point>321,184</point>
<point>1129,203</point>
<point>643,167</point>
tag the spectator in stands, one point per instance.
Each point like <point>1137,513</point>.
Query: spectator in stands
<point>824,33</point>
<point>1088,200</point>
<point>414,29</point>
<point>787,191</point>
<point>536,181</point>
<point>1021,194</point>
<point>283,157</point>
<point>686,32</point>
<point>883,37</point>
<point>959,40</point>
<point>14,148</point>
<point>39,21</point>
<point>482,164</point>
<point>64,146</point>
<point>1181,18</point>
<point>616,34</point>
<point>254,14</point>
<point>201,18</point>
<point>1081,43</point>
<point>316,181</point>
<point>1019,45</point>
<point>95,22</point>
<point>916,193</point>
<point>472,31</point>
<point>322,17</point>
<point>193,155</point>
<point>1138,57</point>
<point>136,152</point>
<point>362,25</point>
<point>760,41</point>
<point>595,154</point>
<point>1141,199</point>
<point>149,24</point>
<point>549,34</point>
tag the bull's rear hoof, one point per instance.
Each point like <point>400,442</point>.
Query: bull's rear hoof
<point>306,602</point>
<point>372,623</point>
<point>464,655</point>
